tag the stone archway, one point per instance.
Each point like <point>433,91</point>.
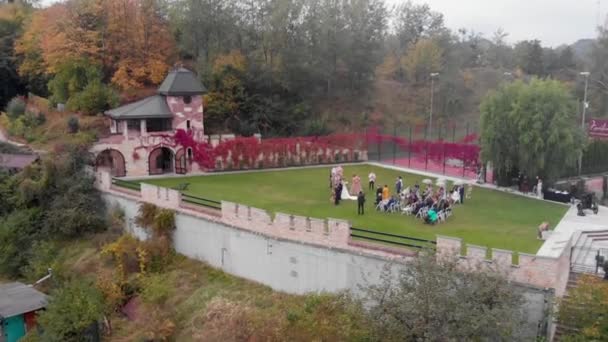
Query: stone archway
<point>113,160</point>
<point>161,160</point>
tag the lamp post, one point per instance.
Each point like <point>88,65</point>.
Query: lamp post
<point>430,129</point>
<point>585,105</point>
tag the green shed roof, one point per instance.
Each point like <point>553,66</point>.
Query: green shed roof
<point>181,82</point>
<point>153,107</point>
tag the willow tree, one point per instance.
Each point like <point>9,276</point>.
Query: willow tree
<point>531,127</point>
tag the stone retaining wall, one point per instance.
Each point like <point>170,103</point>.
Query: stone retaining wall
<point>544,272</point>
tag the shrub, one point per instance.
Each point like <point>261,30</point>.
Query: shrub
<point>155,289</point>
<point>164,222</point>
<point>146,214</point>
<point>15,108</point>
<point>94,98</point>
<point>73,124</point>
<point>72,309</point>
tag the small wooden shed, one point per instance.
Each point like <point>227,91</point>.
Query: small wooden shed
<point>18,306</point>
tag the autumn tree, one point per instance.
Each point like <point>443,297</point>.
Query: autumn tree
<point>424,58</point>
<point>140,46</point>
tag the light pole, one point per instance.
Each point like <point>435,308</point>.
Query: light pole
<point>585,105</point>
<point>433,75</point>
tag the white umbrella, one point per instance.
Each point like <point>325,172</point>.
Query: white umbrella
<point>458,182</point>
<point>441,181</point>
<point>427,181</point>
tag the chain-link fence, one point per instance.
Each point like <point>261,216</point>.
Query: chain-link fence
<point>448,149</point>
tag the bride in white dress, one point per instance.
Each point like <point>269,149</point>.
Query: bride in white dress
<point>345,195</point>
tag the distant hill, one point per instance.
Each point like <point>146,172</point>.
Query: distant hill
<point>582,49</point>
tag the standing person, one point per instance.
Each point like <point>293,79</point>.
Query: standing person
<point>461,193</point>
<point>399,185</point>
<point>356,185</point>
<point>338,195</point>
<point>372,180</point>
<point>386,194</point>
<point>361,203</point>
<point>539,188</point>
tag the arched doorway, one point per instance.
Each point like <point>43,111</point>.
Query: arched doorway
<point>181,162</point>
<point>113,160</point>
<point>161,161</point>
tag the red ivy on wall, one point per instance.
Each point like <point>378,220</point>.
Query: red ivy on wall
<point>245,152</point>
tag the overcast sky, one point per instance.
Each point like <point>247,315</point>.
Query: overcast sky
<point>554,22</point>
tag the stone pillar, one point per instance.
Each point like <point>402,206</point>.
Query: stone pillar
<point>142,127</point>
<point>125,129</point>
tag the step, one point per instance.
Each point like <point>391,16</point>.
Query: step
<point>577,247</point>
<point>583,250</point>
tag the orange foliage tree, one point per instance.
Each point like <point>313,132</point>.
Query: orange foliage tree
<point>129,38</point>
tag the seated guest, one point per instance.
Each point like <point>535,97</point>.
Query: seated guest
<point>386,194</point>
<point>378,195</point>
<point>431,216</point>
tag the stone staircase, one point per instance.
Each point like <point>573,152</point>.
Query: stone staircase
<point>582,261</point>
<point>562,329</point>
<point>585,249</point>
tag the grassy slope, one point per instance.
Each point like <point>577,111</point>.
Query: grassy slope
<point>194,289</point>
<point>490,218</point>
<point>54,131</point>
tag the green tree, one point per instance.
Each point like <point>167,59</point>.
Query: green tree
<point>18,231</point>
<point>529,55</point>
<point>598,83</point>
<point>530,127</point>
<point>15,108</point>
<point>416,21</point>
<point>12,17</point>
<point>72,310</point>
<point>79,84</point>
<point>429,300</point>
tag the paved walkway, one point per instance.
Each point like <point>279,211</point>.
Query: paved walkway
<point>569,226</point>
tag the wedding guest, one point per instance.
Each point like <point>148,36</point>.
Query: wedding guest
<point>356,185</point>
<point>338,193</point>
<point>386,194</point>
<point>372,180</point>
<point>398,185</point>
<point>361,203</point>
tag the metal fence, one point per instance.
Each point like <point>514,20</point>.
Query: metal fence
<point>205,202</point>
<point>392,239</point>
<point>449,149</point>
<point>126,184</point>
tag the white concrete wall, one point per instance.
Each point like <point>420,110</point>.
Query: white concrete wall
<point>283,265</point>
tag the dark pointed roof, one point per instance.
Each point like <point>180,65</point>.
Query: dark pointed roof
<point>149,108</point>
<point>181,82</point>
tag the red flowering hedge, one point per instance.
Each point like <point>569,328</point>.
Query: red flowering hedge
<point>244,152</point>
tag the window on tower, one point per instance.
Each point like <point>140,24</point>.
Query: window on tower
<point>187,99</point>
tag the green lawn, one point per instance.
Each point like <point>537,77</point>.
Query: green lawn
<point>491,218</point>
